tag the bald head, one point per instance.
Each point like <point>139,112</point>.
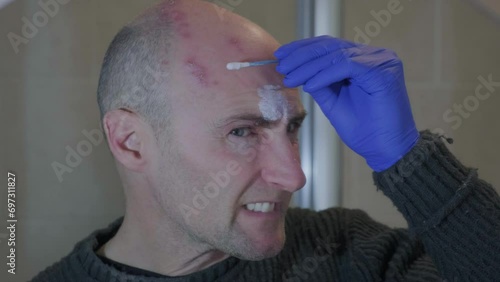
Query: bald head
<point>209,38</point>
<point>174,48</point>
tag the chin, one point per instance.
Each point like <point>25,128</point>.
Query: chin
<point>262,249</point>
<point>269,253</point>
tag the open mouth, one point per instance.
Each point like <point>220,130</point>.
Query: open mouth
<point>263,207</point>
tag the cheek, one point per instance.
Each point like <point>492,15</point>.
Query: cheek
<point>210,169</point>
<point>232,170</point>
<point>244,151</point>
<point>215,184</point>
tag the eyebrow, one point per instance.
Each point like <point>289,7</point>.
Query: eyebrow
<point>258,119</point>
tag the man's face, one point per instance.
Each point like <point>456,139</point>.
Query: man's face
<point>224,157</point>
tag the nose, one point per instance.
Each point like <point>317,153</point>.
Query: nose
<point>280,163</point>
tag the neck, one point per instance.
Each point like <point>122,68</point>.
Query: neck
<point>153,243</point>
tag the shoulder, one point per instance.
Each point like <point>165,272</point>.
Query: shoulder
<point>77,265</point>
<point>347,227</point>
<point>56,272</point>
<point>331,218</point>
<point>338,224</point>
<point>356,239</point>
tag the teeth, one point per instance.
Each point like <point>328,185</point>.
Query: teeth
<point>265,207</point>
<point>260,207</point>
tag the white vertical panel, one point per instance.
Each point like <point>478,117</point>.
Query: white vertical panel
<point>320,147</point>
<point>305,29</point>
<point>326,144</point>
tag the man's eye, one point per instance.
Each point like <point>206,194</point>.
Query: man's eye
<point>293,127</point>
<point>241,132</point>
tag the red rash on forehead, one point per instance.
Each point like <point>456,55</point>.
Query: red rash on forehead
<point>166,9</point>
<point>181,24</point>
<point>235,43</point>
<point>185,34</point>
<point>198,71</point>
<point>179,18</point>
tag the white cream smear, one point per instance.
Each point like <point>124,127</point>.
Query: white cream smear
<point>273,104</point>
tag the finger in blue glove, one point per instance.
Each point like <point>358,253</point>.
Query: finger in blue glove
<point>360,89</point>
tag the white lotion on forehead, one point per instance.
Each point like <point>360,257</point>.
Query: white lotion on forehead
<point>273,104</point>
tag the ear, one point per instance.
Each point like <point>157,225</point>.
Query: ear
<point>128,138</point>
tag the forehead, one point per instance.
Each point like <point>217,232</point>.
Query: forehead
<point>213,105</point>
<point>251,100</point>
<point>207,87</point>
<point>206,45</point>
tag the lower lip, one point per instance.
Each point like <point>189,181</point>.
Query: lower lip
<point>276,213</point>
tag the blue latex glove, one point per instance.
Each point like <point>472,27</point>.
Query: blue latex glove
<point>360,89</point>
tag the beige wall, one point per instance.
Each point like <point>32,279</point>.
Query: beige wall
<point>445,45</point>
<point>48,98</point>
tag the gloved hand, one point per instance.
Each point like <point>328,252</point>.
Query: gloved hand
<point>360,89</point>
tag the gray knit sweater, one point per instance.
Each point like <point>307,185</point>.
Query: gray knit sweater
<point>453,235</point>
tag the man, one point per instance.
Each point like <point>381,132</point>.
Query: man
<point>209,160</point>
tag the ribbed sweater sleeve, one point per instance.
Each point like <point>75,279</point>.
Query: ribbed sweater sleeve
<point>455,214</point>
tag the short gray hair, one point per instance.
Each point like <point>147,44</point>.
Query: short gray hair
<point>134,75</point>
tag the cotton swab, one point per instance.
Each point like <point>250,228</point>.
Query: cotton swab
<point>239,65</point>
